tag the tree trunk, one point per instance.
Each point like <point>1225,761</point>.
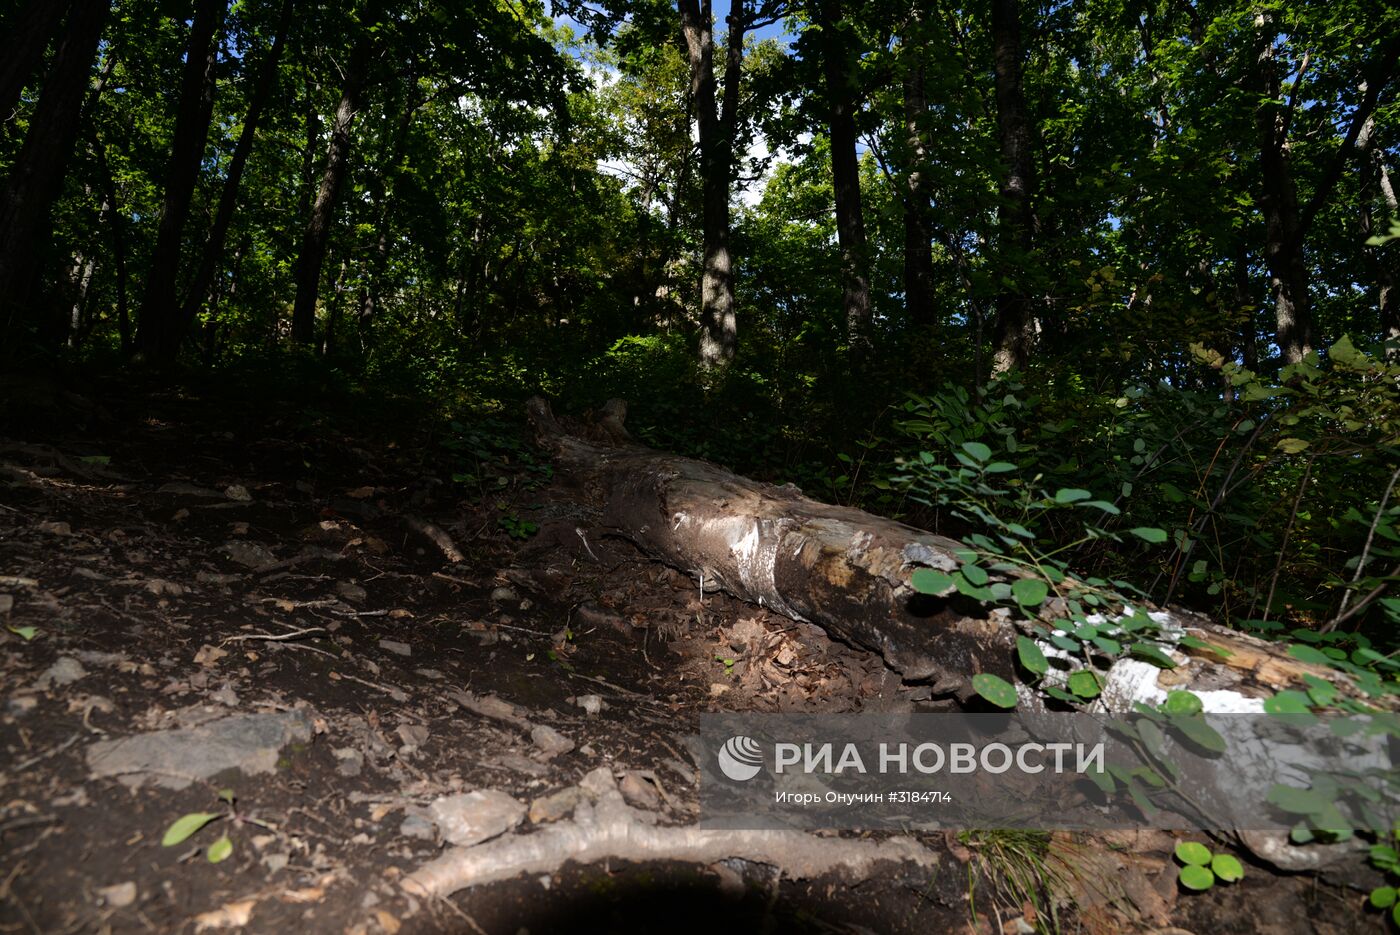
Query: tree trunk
<point>719,337</point>
<point>837,60</point>
<point>850,572</point>
<point>116,226</point>
<point>36,178</point>
<point>918,231</point>
<point>316,236</point>
<point>213,252</point>
<point>1013,330</point>
<point>23,49</point>
<point>1384,260</point>
<point>382,203</point>
<point>160,330</point>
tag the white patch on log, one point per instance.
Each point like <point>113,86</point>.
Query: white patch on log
<point>1133,680</point>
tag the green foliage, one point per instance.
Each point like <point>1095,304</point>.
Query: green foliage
<point>1201,869</point>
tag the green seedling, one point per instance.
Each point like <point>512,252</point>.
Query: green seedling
<point>1201,869</point>
<point>188,825</point>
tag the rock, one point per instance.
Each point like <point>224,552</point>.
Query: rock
<point>225,696</point>
<point>503,595</point>
<point>275,862</point>
<point>65,671</point>
<point>249,554</point>
<point>238,492</point>
<point>478,816</point>
<point>352,761</point>
<point>413,737</point>
<point>591,704</point>
<point>640,790</point>
<point>174,758</point>
<point>416,826</point>
<point>395,647</point>
<point>351,592</point>
<point>118,896</point>
<point>557,806</point>
<point>550,741</point>
<point>20,705</point>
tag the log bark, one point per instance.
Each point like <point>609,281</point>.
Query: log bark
<point>849,572</point>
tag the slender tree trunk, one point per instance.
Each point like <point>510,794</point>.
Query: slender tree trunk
<point>1013,329</point>
<point>837,61</point>
<point>213,253</point>
<point>918,231</point>
<point>1384,259</point>
<point>23,49</point>
<point>316,236</point>
<point>116,227</point>
<point>160,330</point>
<point>36,178</point>
<point>718,326</point>
<point>383,200</point>
<point>1283,228</point>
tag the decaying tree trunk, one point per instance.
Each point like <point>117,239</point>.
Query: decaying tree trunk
<point>849,572</point>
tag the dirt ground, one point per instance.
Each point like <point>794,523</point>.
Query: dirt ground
<point>174,562</point>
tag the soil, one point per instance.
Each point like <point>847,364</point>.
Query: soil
<point>217,551</point>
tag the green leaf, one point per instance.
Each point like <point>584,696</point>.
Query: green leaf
<point>1086,683</point>
<point>1309,654</point>
<point>1292,446</point>
<point>186,825</point>
<point>220,850</point>
<point>975,574</point>
<point>1071,495</point>
<point>1227,867</point>
<point>999,467</point>
<point>1110,646</point>
<point>1180,702</point>
<point>1297,801</point>
<point>98,460</point>
<point>1195,729</point>
<point>1149,534</point>
<point>1193,853</point>
<point>1197,878</point>
<point>1152,654</point>
<point>1383,897</point>
<point>928,581</point>
<point>1029,592</point>
<point>995,689</point>
<point>1031,656</point>
<point>1103,505</point>
<point>978,451</point>
<point>25,633</point>
<point>1287,702</point>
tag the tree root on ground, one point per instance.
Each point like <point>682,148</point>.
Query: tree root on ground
<point>611,829</point>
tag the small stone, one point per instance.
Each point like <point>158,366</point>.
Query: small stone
<point>502,595</point>
<point>65,671</point>
<point>20,705</point>
<point>118,896</point>
<point>591,704</point>
<point>225,696</point>
<point>433,674</point>
<point>478,816</point>
<point>249,554</point>
<point>416,826</point>
<point>395,647</point>
<point>275,862</point>
<point>550,741</point>
<point>352,761</point>
<point>557,806</point>
<point>238,492</point>
<point>351,592</point>
<point>55,528</point>
<point>639,791</point>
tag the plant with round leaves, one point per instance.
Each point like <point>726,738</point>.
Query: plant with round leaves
<point>1200,869</point>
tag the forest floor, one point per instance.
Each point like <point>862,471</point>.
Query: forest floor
<point>210,595</point>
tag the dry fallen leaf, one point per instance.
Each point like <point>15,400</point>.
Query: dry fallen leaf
<point>229,915</point>
<point>360,493</point>
<point>311,894</point>
<point>209,655</point>
<point>387,921</point>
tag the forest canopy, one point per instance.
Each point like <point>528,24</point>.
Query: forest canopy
<point>1140,250</point>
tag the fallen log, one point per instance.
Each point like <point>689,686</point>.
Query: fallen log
<point>850,572</point>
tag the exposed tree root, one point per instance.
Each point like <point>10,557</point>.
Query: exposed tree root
<point>611,829</point>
